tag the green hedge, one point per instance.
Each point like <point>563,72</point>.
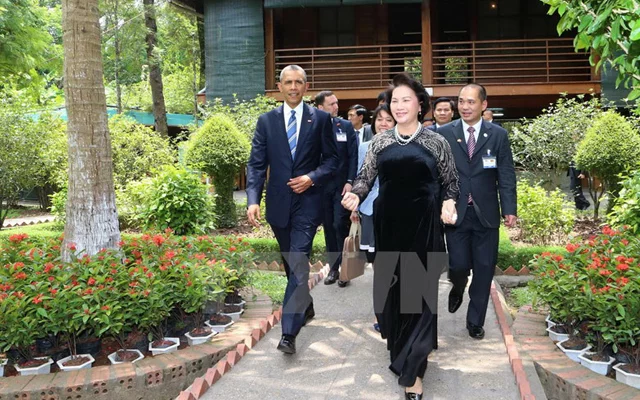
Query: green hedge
<point>519,257</point>
<point>267,248</point>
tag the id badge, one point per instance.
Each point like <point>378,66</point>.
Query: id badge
<point>489,161</point>
<point>341,136</point>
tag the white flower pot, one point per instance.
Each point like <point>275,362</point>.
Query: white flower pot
<point>2,364</point>
<point>632,380</point>
<point>234,316</point>
<point>86,365</point>
<point>241,304</point>
<point>112,357</point>
<point>194,340</point>
<point>557,337</point>
<point>549,322</point>
<point>42,369</point>
<point>156,351</point>
<point>573,354</point>
<point>218,328</point>
<point>599,367</point>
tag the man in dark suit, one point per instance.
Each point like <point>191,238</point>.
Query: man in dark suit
<point>297,144</point>
<point>487,191</point>
<point>357,115</point>
<point>336,217</point>
<point>443,109</point>
<point>487,115</point>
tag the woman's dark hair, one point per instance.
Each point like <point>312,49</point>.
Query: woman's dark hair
<point>382,107</point>
<point>405,79</point>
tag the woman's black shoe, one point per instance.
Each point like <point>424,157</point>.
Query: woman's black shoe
<point>412,396</point>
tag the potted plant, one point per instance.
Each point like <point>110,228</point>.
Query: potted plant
<point>573,347</point>
<point>192,302</point>
<point>22,316</point>
<point>629,373</point>
<point>219,323</point>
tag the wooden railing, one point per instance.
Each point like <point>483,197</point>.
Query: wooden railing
<point>486,62</point>
<point>509,61</point>
<point>353,67</point>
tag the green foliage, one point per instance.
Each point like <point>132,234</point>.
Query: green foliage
<point>611,145</point>
<point>175,199</point>
<point>219,150</point>
<point>519,257</point>
<point>137,150</point>
<point>244,113</point>
<point>543,216</point>
<point>271,284</point>
<point>178,89</point>
<point>521,296</point>
<point>19,155</point>
<point>548,143</point>
<point>24,42</point>
<point>610,29</point>
<point>626,210</point>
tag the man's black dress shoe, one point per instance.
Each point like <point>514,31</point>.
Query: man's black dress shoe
<point>342,283</point>
<point>309,314</point>
<point>412,396</point>
<point>331,278</point>
<point>475,331</point>
<point>287,344</point>
<point>454,301</point>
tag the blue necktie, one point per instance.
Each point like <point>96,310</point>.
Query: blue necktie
<point>292,127</point>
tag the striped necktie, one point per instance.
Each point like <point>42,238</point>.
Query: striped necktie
<point>471,146</point>
<point>292,127</point>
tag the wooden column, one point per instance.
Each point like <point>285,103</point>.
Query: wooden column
<point>270,57</point>
<point>427,50</point>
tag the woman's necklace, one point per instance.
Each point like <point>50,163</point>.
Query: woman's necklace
<point>405,141</point>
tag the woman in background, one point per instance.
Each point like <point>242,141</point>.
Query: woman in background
<point>382,122</point>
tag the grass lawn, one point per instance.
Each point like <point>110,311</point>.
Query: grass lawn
<point>270,283</point>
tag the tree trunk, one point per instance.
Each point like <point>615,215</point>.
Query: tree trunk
<point>155,74</point>
<point>116,45</point>
<point>203,63</point>
<point>92,220</point>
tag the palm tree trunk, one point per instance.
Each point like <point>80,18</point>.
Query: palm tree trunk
<point>91,217</point>
<point>155,74</point>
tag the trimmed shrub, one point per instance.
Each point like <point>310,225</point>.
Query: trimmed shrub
<point>175,199</point>
<point>219,150</point>
<point>610,147</point>
<point>137,150</point>
<point>543,216</point>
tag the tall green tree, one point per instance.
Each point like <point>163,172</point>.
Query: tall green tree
<point>611,29</point>
<point>155,71</point>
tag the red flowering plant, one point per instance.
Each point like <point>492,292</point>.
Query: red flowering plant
<point>87,299</point>
<point>596,283</point>
<point>27,302</point>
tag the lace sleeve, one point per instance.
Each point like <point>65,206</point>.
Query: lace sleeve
<point>448,171</point>
<point>439,147</point>
<point>365,179</point>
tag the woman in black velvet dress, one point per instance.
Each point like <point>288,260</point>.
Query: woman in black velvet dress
<point>418,188</point>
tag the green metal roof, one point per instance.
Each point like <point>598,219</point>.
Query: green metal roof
<point>145,118</point>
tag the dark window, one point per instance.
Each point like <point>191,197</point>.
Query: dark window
<point>336,26</point>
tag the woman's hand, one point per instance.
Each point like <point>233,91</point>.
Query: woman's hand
<point>350,201</point>
<point>354,217</point>
<point>449,215</point>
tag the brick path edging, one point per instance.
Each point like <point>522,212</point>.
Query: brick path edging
<point>562,378</point>
<point>212,375</point>
<point>514,357</point>
<point>12,223</point>
<point>158,377</point>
